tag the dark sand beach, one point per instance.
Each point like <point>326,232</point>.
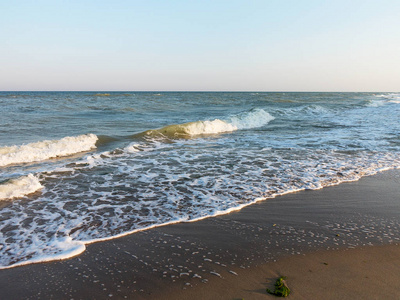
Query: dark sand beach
<point>340,242</point>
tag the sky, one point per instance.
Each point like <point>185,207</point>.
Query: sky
<point>230,45</point>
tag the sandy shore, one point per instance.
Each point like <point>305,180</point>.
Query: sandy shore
<point>362,273</point>
<point>336,243</point>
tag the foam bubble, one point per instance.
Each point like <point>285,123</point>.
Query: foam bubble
<point>19,187</point>
<point>43,150</point>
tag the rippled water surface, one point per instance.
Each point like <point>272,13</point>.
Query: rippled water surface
<point>85,166</point>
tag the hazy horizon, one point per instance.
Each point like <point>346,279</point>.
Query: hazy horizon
<point>182,91</point>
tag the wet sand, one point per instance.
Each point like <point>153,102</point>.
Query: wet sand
<point>362,273</point>
<point>340,242</point>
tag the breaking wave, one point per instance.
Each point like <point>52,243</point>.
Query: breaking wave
<point>385,99</point>
<point>253,119</point>
<point>19,187</point>
<point>43,150</point>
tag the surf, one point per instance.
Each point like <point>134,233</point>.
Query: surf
<point>43,150</point>
<point>246,120</point>
<point>19,187</point>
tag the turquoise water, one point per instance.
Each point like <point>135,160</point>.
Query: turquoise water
<point>80,167</point>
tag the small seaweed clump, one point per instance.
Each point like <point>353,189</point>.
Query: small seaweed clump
<point>281,288</point>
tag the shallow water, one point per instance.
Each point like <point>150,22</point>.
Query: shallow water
<point>79,167</point>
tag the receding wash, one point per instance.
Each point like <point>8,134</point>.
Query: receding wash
<point>83,167</point>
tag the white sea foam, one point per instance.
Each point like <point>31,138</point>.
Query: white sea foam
<point>64,248</point>
<point>376,103</point>
<point>132,148</point>
<point>193,128</point>
<point>208,127</point>
<point>180,187</point>
<point>388,98</point>
<point>43,150</point>
<point>253,119</point>
<point>19,187</point>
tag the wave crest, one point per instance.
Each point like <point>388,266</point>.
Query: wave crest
<point>252,119</point>
<point>194,128</point>
<point>385,99</point>
<point>247,120</point>
<point>43,150</point>
<point>19,187</point>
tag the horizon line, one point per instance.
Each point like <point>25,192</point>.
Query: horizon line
<point>187,91</point>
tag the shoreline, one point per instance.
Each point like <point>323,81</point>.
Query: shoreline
<point>202,258</point>
<point>84,244</point>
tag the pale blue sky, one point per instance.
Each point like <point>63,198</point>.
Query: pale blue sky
<point>282,45</point>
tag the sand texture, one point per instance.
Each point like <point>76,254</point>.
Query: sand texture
<point>340,242</point>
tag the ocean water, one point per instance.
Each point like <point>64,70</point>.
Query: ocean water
<point>82,167</point>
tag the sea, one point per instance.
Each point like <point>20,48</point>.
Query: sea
<point>84,167</point>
